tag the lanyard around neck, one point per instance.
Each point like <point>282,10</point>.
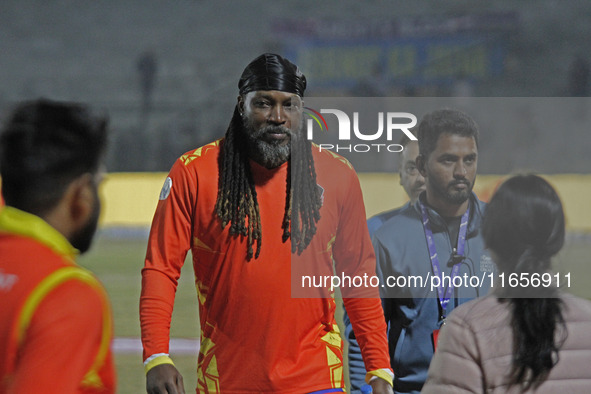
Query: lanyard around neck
<point>444,295</point>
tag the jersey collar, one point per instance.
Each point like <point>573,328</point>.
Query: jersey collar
<point>15,221</point>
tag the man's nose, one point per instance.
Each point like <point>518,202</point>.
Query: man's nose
<point>277,115</point>
<point>460,170</point>
<point>419,178</point>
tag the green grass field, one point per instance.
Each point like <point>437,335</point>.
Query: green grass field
<point>118,262</point>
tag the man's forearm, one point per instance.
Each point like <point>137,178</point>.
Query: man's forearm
<point>156,305</point>
<point>369,326</point>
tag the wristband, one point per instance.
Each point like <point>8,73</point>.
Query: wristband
<point>383,373</point>
<point>157,359</point>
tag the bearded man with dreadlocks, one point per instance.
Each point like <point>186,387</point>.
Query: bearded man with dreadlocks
<point>246,205</point>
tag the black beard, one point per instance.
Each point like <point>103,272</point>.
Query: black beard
<point>458,198</point>
<point>455,198</point>
<point>82,239</point>
<point>269,154</point>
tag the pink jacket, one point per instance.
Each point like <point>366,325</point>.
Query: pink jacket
<point>475,349</point>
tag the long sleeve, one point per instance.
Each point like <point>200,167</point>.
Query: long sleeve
<point>356,367</point>
<point>353,254</point>
<point>169,241</point>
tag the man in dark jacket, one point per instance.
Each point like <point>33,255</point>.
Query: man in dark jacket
<point>431,256</point>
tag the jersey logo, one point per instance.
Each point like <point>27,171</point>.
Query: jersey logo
<point>165,192</point>
<point>486,264</point>
<point>321,194</point>
<point>7,281</point>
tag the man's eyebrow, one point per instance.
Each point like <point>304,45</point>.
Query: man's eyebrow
<point>263,96</point>
<point>448,156</point>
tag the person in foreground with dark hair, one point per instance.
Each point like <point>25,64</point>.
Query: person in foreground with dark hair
<point>55,318</point>
<point>518,339</point>
<point>251,207</point>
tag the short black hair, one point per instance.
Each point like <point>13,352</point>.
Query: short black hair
<point>442,121</point>
<point>44,146</point>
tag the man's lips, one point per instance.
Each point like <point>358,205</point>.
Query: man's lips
<point>278,136</point>
<point>460,185</point>
<point>275,136</point>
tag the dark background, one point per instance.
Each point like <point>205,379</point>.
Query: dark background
<point>166,71</point>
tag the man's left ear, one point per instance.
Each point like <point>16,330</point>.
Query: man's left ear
<point>240,104</point>
<point>82,199</point>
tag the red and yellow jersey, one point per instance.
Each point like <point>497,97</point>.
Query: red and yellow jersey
<point>255,337</point>
<point>55,318</point>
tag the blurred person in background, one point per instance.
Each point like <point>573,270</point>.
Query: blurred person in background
<point>246,205</point>
<point>55,318</point>
<point>413,184</point>
<point>522,339</point>
<point>411,181</point>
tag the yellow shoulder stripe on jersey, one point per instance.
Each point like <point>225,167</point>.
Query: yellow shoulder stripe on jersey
<point>44,288</point>
<point>188,158</point>
<point>15,221</point>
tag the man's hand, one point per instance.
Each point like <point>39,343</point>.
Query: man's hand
<point>164,379</point>
<point>380,386</point>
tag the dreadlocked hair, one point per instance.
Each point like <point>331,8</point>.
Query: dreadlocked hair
<point>237,197</point>
<point>304,196</point>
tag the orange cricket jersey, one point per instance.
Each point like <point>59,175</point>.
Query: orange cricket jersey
<point>55,319</point>
<point>254,336</point>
